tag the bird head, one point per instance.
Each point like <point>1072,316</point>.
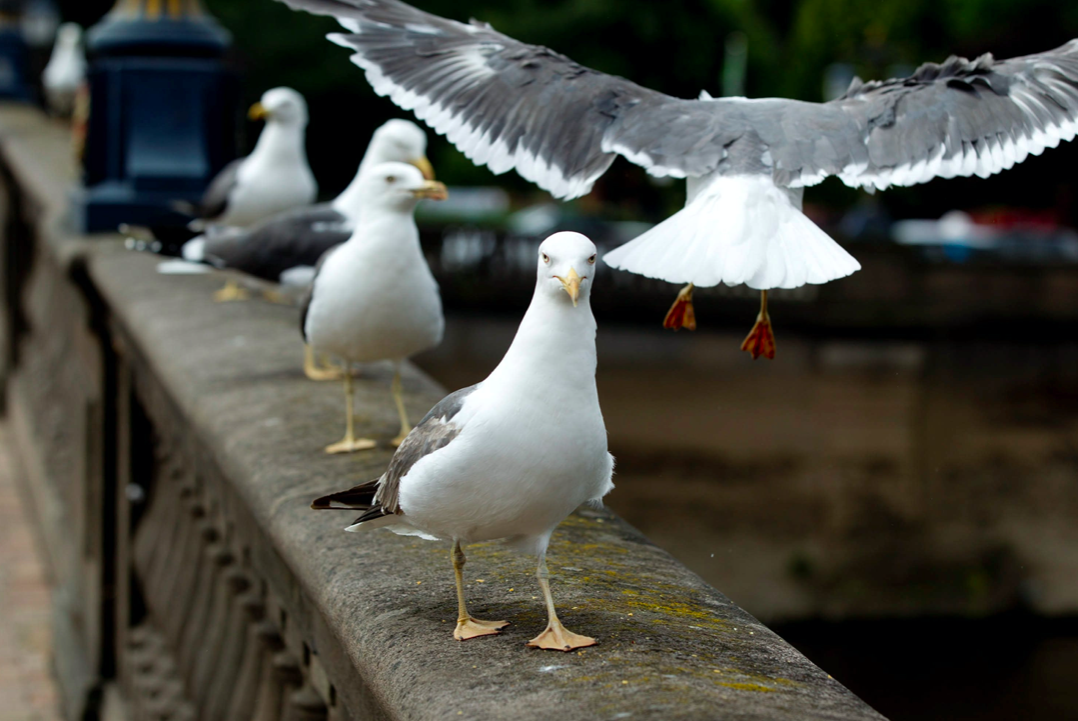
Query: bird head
<point>399,186</point>
<point>400,141</point>
<point>567,266</point>
<point>280,105</point>
<point>69,35</point>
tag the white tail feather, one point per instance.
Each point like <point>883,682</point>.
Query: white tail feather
<point>740,229</point>
<point>182,267</point>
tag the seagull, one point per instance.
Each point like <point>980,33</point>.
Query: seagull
<point>275,177</point>
<point>506,104</point>
<point>373,297</point>
<point>285,247</point>
<point>512,456</point>
<point>66,70</point>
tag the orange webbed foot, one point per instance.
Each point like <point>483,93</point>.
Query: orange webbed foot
<point>681,313</point>
<point>761,339</point>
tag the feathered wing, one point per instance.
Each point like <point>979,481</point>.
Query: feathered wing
<point>506,104</point>
<point>381,498</point>
<point>960,118</point>
<point>215,200</point>
<point>287,240</point>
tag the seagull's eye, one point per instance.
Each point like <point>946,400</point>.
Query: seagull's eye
<point>390,179</point>
<point>545,257</point>
<point>591,260</point>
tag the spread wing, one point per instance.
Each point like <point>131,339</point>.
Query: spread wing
<point>381,497</point>
<point>506,104</point>
<point>959,118</point>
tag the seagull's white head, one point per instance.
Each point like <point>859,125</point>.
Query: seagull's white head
<point>567,266</point>
<point>69,35</point>
<point>280,105</point>
<point>400,141</point>
<point>398,187</point>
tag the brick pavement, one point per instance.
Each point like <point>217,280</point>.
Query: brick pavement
<point>27,690</point>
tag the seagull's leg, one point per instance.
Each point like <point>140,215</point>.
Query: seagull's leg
<point>319,371</point>
<point>468,627</point>
<point>406,427</point>
<point>349,443</point>
<point>681,313</point>
<point>761,340</point>
<point>231,291</point>
<point>556,637</point>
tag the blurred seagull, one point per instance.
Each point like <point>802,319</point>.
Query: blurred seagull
<point>508,458</point>
<point>273,178</point>
<point>373,297</point>
<point>65,71</point>
<point>506,104</point>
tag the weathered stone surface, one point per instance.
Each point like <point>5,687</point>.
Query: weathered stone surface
<point>365,620</point>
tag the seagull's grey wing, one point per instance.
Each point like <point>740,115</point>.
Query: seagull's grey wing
<point>215,199</point>
<point>960,118</point>
<point>506,104</point>
<point>287,240</point>
<point>434,432</point>
<point>308,296</point>
<point>379,497</point>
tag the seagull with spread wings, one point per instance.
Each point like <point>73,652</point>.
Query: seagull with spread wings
<point>509,105</point>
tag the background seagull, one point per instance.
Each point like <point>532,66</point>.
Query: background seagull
<point>506,104</point>
<point>285,247</point>
<point>510,457</point>
<point>65,71</point>
<point>373,297</point>
<point>273,178</point>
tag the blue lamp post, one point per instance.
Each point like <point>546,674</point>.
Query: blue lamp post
<point>14,54</point>
<point>162,118</point>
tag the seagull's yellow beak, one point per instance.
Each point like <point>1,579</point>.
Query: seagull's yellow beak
<point>431,189</point>
<point>424,167</point>
<point>571,284</point>
<point>258,112</point>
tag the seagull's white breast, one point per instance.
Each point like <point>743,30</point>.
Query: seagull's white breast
<point>529,453</point>
<point>375,301</point>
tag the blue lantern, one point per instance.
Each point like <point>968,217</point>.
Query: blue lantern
<point>162,113</point>
<point>14,54</point>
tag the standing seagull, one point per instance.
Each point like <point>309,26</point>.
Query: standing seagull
<point>273,178</point>
<point>508,458</point>
<point>509,105</point>
<point>373,297</point>
<point>285,247</point>
<point>65,71</point>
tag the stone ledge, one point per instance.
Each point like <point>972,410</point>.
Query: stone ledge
<point>370,616</point>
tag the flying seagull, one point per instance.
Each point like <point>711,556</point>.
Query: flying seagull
<point>506,104</point>
<point>508,458</point>
<point>373,297</point>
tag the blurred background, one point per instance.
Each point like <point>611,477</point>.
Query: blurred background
<point>897,493</point>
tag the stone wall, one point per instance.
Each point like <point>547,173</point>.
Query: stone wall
<point>172,446</point>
